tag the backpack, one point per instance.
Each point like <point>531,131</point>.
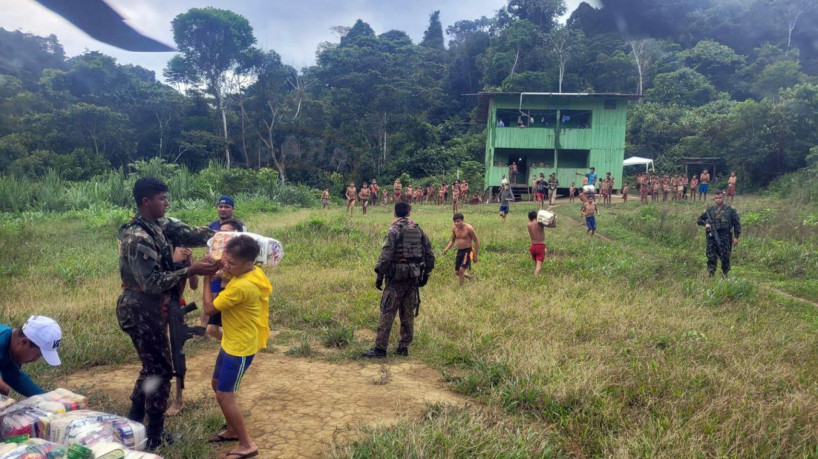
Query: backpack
<point>408,255</point>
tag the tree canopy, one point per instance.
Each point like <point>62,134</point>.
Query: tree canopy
<point>732,78</point>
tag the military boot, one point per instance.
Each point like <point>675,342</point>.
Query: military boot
<point>374,353</point>
<point>404,351</point>
<point>155,430</point>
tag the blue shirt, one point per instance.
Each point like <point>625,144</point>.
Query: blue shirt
<point>591,178</point>
<point>10,372</point>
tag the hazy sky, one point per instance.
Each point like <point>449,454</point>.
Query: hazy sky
<point>292,28</point>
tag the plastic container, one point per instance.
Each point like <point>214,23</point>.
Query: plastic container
<point>79,452</point>
<point>270,254</point>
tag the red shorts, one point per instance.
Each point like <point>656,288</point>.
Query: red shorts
<point>731,190</point>
<point>537,251</point>
<point>540,196</point>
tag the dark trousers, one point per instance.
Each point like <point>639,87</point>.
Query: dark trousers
<point>141,318</point>
<point>398,298</point>
<point>714,253</point>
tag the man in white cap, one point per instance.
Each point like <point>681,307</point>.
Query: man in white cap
<point>39,337</point>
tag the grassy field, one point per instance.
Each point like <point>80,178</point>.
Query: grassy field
<point>624,347</point>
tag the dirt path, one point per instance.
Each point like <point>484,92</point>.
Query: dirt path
<point>298,406</point>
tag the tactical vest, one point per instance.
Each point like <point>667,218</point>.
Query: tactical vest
<point>407,257</point>
<point>721,221</point>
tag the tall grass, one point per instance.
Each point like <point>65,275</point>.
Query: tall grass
<point>114,189</point>
<point>622,348</point>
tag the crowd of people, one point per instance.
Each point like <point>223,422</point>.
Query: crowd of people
<point>371,194</point>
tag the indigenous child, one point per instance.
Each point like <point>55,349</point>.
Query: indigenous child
<point>694,187</point>
<point>625,189</point>
<point>731,187</point>
<point>571,190</point>
<point>665,187</point>
<point>374,188</point>
<point>419,195</point>
<point>589,210</point>
<point>541,187</point>
<point>398,190</point>
<point>553,184</point>
<point>408,193</point>
<point>430,193</point>
<point>325,199</point>
<point>506,198</point>
<point>643,193</point>
<point>244,305</point>
<point>351,196</point>
<point>363,196</point>
<point>465,238</point>
<point>537,249</point>
<point>384,197</point>
<point>217,283</point>
<point>464,189</point>
<point>455,195</point>
<point>657,185</point>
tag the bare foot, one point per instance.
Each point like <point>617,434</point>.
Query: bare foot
<point>175,409</point>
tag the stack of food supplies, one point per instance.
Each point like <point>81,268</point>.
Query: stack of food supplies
<point>271,250</point>
<point>547,218</point>
<point>60,419</point>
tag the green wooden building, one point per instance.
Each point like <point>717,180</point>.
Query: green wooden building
<point>553,133</point>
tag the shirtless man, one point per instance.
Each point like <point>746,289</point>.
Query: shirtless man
<point>373,187</point>
<point>419,195</point>
<point>467,245</point>
<point>441,193</point>
<point>571,191</point>
<point>731,187</point>
<point>537,249</point>
<point>408,193</point>
<point>364,196</point>
<point>704,181</point>
<point>455,195</point>
<point>325,199</point>
<point>541,187</point>
<point>589,211</point>
<point>643,192</point>
<point>398,193</point>
<point>464,190</point>
<point>430,193</point>
<point>351,195</point>
<point>694,187</point>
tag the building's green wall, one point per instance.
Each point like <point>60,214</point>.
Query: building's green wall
<point>605,139</point>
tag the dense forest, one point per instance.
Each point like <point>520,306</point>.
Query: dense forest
<point>736,79</point>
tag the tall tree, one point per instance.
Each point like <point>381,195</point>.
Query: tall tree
<point>563,43</point>
<point>213,44</point>
<point>433,36</point>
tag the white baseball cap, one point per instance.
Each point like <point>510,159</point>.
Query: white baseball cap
<point>46,334</point>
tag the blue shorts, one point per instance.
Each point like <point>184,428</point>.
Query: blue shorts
<point>590,222</point>
<point>229,371</point>
<point>703,188</point>
<point>503,209</point>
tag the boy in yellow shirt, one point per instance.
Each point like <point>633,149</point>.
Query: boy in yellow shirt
<point>244,305</point>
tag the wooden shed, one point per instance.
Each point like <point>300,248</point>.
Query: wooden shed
<point>557,133</point>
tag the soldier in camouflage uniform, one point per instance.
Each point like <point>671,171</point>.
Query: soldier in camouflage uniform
<point>148,277</point>
<point>406,261</point>
<point>721,221</point>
